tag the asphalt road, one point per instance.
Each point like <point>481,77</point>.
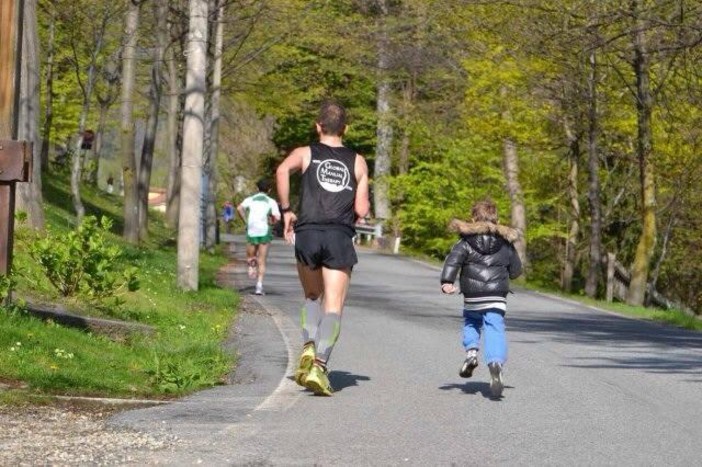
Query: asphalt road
<point>583,387</point>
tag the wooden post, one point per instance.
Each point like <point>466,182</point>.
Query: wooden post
<point>15,166</point>
<point>610,276</point>
<point>13,163</point>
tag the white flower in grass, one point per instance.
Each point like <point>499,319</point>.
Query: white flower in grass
<point>60,353</point>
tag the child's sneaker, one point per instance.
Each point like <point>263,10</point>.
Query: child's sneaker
<point>496,383</point>
<point>253,268</point>
<point>259,289</point>
<point>305,364</point>
<point>470,364</point>
<point>318,382</point>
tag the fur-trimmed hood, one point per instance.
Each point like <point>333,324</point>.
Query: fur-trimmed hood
<point>478,228</point>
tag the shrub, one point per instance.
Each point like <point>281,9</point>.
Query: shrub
<point>84,262</point>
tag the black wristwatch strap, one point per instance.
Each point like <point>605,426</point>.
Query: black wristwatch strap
<point>284,210</point>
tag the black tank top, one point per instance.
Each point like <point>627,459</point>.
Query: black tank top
<point>328,190</point>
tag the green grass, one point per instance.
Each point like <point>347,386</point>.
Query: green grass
<point>182,354</point>
<point>671,317</point>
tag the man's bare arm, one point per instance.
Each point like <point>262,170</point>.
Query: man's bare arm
<point>298,159</point>
<point>361,203</point>
<point>242,212</point>
<point>291,164</point>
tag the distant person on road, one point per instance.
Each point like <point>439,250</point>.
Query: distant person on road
<point>486,260</point>
<point>228,215</point>
<point>258,212</point>
<point>333,195</point>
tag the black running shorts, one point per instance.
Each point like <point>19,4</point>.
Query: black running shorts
<point>330,248</point>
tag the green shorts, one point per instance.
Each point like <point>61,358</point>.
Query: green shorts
<point>259,240</point>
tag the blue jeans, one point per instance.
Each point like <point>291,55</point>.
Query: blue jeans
<point>492,321</point>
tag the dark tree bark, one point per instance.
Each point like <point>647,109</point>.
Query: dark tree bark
<point>593,196</point>
<point>155,92</point>
<point>644,149</point>
<point>49,99</point>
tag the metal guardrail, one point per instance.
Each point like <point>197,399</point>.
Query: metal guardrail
<point>371,232</point>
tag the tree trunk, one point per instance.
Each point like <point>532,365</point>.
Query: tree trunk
<point>667,234</point>
<point>105,101</point>
<point>173,132</point>
<point>408,97</point>
<point>99,138</point>
<point>155,90</point>
<point>516,196</point>
<point>29,195</point>
<point>129,166</point>
<point>384,133</point>
<point>213,147</point>
<point>193,135</point>
<point>147,151</point>
<point>49,99</point>
<point>574,231</point>
<point>593,195</point>
<point>644,149</point>
<point>87,88</point>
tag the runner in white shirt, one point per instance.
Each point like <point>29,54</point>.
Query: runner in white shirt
<point>258,211</point>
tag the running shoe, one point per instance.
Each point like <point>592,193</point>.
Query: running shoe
<point>259,289</point>
<point>318,382</point>
<point>496,383</point>
<point>470,364</point>
<point>305,364</point>
<point>253,268</point>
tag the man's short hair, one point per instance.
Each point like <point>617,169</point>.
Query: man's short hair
<point>485,211</point>
<point>332,118</point>
<point>263,185</point>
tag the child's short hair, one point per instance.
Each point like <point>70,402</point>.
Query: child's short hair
<point>485,211</point>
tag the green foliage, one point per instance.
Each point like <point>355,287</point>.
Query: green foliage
<point>502,100</point>
<point>433,193</point>
<point>84,261</point>
<point>7,283</point>
<point>188,327</point>
<point>174,374</point>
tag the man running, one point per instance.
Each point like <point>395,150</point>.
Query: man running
<point>333,194</point>
<point>258,210</point>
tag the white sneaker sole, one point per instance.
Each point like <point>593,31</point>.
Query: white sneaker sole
<point>496,383</point>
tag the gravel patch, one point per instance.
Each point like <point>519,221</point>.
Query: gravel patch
<point>66,435</point>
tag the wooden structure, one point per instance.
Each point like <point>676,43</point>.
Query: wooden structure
<point>15,156</point>
<point>15,166</point>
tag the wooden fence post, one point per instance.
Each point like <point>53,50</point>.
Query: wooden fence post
<point>14,165</point>
<point>611,258</point>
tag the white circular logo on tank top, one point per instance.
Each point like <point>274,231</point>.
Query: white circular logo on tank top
<point>333,175</point>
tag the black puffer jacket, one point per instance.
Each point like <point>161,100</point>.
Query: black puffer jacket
<point>485,258</point>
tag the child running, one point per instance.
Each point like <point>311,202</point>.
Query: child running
<point>486,260</point>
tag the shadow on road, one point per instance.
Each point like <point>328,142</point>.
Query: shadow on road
<point>343,379</point>
<point>473,387</point>
<point>644,345</point>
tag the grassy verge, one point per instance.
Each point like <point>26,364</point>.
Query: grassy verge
<point>181,355</point>
<point>672,317</point>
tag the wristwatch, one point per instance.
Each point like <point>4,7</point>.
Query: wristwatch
<point>284,210</point>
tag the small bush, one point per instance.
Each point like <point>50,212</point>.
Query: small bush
<point>6,285</point>
<point>84,262</point>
